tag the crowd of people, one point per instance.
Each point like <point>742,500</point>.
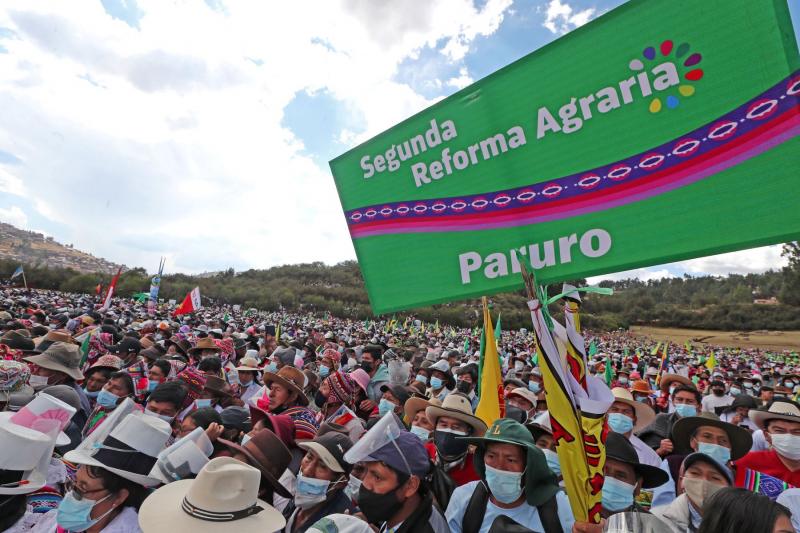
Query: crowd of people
<point>128,418</point>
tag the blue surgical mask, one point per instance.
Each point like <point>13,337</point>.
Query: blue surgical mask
<point>166,418</point>
<point>324,371</point>
<point>202,402</point>
<point>385,406</point>
<point>534,387</point>
<point>436,383</point>
<point>352,488</point>
<point>552,461</point>
<point>272,367</point>
<point>623,380</point>
<point>617,495</point>
<point>721,454</point>
<point>107,399</point>
<point>91,394</point>
<point>310,491</point>
<point>735,391</point>
<point>73,514</point>
<point>619,423</point>
<point>505,486</point>
<point>684,410</point>
<point>152,384</point>
<point>421,432</point>
<point>422,378</point>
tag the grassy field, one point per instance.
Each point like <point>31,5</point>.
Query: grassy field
<point>771,340</point>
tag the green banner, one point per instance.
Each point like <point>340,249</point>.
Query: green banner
<point>662,131</point>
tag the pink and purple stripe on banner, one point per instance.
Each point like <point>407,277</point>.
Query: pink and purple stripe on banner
<point>760,124</point>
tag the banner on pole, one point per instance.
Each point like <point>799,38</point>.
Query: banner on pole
<point>659,132</point>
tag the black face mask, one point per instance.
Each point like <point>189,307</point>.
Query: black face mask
<point>367,367</point>
<point>464,387</point>
<point>378,508</point>
<point>718,392</point>
<point>449,445</point>
<point>320,399</point>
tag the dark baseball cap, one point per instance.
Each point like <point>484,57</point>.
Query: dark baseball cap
<point>406,454</point>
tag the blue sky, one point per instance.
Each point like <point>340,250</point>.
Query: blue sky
<point>201,130</point>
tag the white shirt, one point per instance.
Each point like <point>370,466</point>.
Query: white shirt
<point>289,481</point>
<point>711,401</point>
<point>647,456</point>
<point>249,391</point>
<point>524,514</point>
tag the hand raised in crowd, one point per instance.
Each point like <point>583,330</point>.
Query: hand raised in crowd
<point>214,431</point>
<point>665,448</point>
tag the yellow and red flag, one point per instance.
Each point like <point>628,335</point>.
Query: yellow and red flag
<point>576,401</point>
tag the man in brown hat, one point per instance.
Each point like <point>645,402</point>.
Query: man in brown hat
<point>59,365</point>
<point>286,397</point>
<point>265,451</point>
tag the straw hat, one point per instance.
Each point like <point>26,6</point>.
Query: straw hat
<point>248,364</point>
<point>526,394</point>
<point>778,409</point>
<point>669,379</point>
<point>456,405</point>
<point>60,356</point>
<point>414,405</point>
<point>291,378</point>
<point>224,495</point>
<point>205,343</point>
<point>644,413</point>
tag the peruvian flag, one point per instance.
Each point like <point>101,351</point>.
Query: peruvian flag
<point>190,303</point>
<point>110,291</point>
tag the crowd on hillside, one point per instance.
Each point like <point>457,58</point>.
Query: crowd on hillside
<point>128,418</point>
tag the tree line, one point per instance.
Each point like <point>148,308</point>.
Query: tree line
<point>703,302</point>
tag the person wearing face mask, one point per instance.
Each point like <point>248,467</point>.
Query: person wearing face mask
<point>686,400</point>
<point>515,486</point>
<point>393,399</point>
<point>707,434</point>
<point>321,481</point>
<point>625,417</point>
<point>523,399</point>
<point>535,382</point>
<point>417,418</point>
<point>249,374</point>
<point>59,364</point>
<point>98,375</point>
<point>394,495</point>
<point>110,484</point>
<point>781,425</point>
<point>442,380</point>
<point>716,397</point>
<point>623,378</point>
<point>378,373</point>
<point>625,476</point>
<point>453,464</point>
<point>119,387</point>
<point>738,412</point>
<point>700,477</point>
<point>466,378</point>
<point>542,433</point>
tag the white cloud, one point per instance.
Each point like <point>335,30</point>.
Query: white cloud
<point>14,216</point>
<point>644,274</point>
<point>168,139</point>
<point>560,17</point>
<point>462,80</point>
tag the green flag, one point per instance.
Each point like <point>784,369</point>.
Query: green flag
<point>482,352</point>
<point>592,349</point>
<point>608,374</point>
<point>497,331</point>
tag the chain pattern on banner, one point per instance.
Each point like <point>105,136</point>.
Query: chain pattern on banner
<point>773,107</point>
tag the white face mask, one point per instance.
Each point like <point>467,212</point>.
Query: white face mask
<point>786,445</point>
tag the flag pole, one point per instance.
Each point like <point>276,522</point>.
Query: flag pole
<point>24,281</point>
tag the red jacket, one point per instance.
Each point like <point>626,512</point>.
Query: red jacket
<point>461,474</point>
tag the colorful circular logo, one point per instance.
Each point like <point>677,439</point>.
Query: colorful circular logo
<point>685,63</point>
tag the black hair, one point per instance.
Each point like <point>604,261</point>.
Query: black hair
<point>99,370</point>
<point>163,365</point>
<point>126,378</point>
<point>731,510</point>
<point>205,416</point>
<point>686,388</point>
<point>114,483</point>
<point>173,392</point>
<point>210,364</point>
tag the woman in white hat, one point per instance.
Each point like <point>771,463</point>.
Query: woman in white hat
<point>111,482</point>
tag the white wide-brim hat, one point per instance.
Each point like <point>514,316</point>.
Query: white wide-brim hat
<point>208,503</point>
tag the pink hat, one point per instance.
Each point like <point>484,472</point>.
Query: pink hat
<point>360,377</point>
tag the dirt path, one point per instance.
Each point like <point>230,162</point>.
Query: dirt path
<point>771,340</point>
